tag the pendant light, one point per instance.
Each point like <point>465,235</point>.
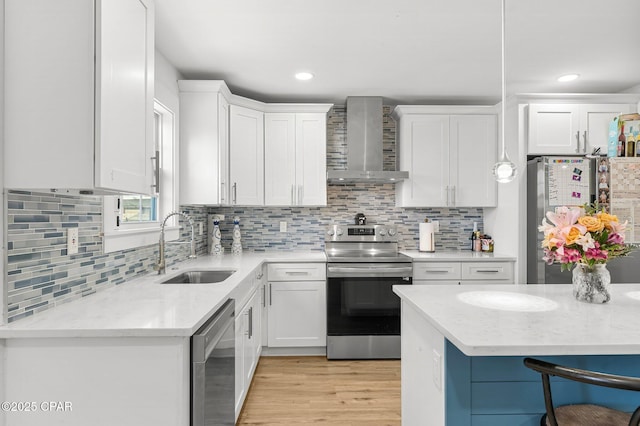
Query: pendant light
<point>504,171</point>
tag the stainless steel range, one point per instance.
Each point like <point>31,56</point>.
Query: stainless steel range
<point>363,313</point>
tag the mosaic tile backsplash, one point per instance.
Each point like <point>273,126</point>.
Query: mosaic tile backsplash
<point>42,275</point>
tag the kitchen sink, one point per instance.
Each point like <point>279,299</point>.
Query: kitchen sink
<point>200,277</point>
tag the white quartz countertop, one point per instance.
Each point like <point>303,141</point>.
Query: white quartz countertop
<point>485,320</point>
<point>143,307</point>
<point>456,256</point>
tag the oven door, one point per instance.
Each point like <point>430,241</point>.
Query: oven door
<point>360,299</point>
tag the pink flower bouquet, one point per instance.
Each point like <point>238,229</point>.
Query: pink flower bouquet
<point>582,235</point>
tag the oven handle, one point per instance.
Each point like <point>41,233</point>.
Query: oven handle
<point>368,271</point>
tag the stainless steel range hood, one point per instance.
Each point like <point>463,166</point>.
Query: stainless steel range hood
<point>364,145</point>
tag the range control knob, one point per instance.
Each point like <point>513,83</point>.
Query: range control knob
<point>382,232</point>
<point>392,232</point>
<point>339,232</point>
<point>330,232</point>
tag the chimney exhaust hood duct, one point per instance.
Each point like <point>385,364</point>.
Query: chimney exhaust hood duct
<point>364,145</point>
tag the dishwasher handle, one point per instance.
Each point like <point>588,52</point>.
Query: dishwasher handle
<point>206,338</point>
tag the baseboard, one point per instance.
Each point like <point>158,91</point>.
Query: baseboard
<point>297,351</point>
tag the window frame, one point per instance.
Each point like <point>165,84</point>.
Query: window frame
<point>118,235</point>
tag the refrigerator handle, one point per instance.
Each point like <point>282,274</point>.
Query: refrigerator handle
<point>578,142</point>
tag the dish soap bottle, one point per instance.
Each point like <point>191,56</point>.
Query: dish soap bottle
<point>236,246</point>
<point>216,240</point>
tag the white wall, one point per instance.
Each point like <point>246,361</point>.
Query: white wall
<point>503,222</point>
<point>166,83</point>
<point>3,291</point>
<point>3,210</point>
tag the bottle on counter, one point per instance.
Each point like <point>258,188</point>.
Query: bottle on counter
<point>631,144</point>
<point>473,236</point>
<point>477,242</point>
<point>622,142</point>
<point>216,240</point>
<point>236,246</point>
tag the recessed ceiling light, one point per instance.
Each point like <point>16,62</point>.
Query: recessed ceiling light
<point>568,77</point>
<point>304,76</point>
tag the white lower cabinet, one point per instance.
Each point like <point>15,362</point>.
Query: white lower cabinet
<point>456,273</point>
<point>248,329</point>
<point>296,305</point>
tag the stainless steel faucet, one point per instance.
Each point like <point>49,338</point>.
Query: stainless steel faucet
<point>161,265</point>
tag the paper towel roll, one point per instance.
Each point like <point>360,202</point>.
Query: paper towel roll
<point>427,237</point>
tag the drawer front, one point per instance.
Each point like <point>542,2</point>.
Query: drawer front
<point>297,272</point>
<point>436,271</point>
<point>436,282</point>
<point>487,271</point>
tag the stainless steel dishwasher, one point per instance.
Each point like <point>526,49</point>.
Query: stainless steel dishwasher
<point>213,370</point>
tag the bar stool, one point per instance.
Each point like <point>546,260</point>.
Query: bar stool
<point>583,414</point>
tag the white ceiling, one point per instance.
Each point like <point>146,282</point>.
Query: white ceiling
<point>408,51</point>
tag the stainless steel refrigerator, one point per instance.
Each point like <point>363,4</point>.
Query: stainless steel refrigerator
<point>554,181</point>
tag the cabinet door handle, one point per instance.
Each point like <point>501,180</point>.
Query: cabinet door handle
<point>222,192</point>
<point>270,299</point>
<point>492,271</point>
<point>293,203</point>
<point>156,172</point>
<point>436,271</point>
<point>296,272</point>
<point>584,139</point>
<point>235,192</point>
<point>250,322</point>
<point>264,297</point>
<point>447,189</point>
<point>578,142</point>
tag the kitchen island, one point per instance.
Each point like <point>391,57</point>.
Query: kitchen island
<point>462,350</point>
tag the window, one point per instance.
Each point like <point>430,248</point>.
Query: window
<point>134,220</point>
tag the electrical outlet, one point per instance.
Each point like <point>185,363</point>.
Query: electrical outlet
<point>72,241</point>
<point>436,226</point>
<point>200,228</point>
<point>283,226</point>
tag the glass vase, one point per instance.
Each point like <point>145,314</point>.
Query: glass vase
<point>592,283</point>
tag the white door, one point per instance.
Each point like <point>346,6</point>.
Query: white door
<point>311,159</point>
<point>594,124</point>
<point>474,144</point>
<point>199,151</point>
<point>246,156</point>
<point>253,339</point>
<point>240,327</point>
<point>279,159</point>
<point>124,95</point>
<point>297,314</point>
<point>554,129</point>
<point>424,152</point>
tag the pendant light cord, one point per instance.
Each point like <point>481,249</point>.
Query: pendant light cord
<point>504,85</point>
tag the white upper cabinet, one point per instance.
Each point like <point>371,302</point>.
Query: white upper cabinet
<point>204,142</point>
<point>246,156</point>
<point>79,95</point>
<point>449,157</point>
<point>296,159</point>
<point>571,129</point>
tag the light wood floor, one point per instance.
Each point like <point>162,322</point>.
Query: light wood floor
<point>309,390</point>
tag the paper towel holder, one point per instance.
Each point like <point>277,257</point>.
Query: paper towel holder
<point>426,236</point>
